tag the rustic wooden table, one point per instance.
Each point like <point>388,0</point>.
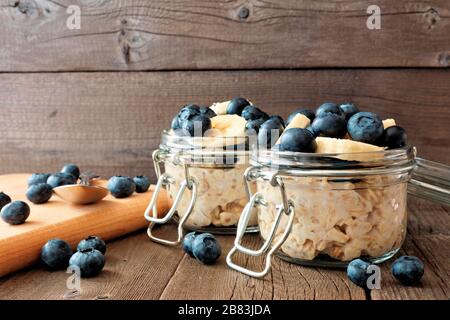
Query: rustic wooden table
<point>137,268</point>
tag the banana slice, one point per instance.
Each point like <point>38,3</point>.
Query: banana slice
<point>388,123</point>
<point>228,125</point>
<point>220,108</point>
<point>299,121</point>
<point>348,149</point>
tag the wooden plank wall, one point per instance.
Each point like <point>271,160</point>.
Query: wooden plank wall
<point>100,96</point>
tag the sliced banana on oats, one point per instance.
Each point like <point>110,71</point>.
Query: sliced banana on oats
<point>228,125</point>
<point>220,108</point>
<point>348,149</point>
<point>389,123</point>
<point>299,121</point>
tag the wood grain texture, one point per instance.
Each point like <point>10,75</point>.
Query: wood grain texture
<point>110,218</point>
<point>180,35</point>
<point>137,268</point>
<point>111,122</point>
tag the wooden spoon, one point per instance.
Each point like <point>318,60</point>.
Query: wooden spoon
<point>83,193</point>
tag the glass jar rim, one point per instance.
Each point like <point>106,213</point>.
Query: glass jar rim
<point>301,160</point>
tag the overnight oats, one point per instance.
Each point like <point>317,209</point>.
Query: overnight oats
<point>330,189</point>
<point>205,154</point>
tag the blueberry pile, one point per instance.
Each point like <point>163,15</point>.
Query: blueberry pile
<point>40,185</point>
<point>407,269</point>
<point>123,187</point>
<point>330,120</point>
<point>204,247</point>
<point>57,254</point>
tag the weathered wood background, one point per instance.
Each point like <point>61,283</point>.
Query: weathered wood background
<point>64,95</point>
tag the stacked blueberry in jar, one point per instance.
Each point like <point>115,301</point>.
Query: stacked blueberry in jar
<point>331,128</point>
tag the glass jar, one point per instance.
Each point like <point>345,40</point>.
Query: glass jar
<point>203,177</point>
<point>327,209</point>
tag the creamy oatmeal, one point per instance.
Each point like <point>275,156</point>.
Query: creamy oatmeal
<point>343,219</point>
<point>221,195</point>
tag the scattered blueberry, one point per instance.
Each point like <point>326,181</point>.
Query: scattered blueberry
<point>39,193</point>
<point>90,261</point>
<point>349,109</point>
<point>254,125</point>
<point>56,254</point>
<point>92,242</point>
<point>188,241</point>
<point>306,112</point>
<point>394,137</point>
<point>365,127</point>
<point>327,108</point>
<point>408,270</point>
<point>142,183</point>
<point>269,132</point>
<point>207,112</point>
<point>16,212</point>
<point>61,179</point>
<point>206,248</point>
<point>297,140</point>
<point>121,187</point>
<point>253,113</point>
<point>72,169</point>
<point>357,272</point>
<point>236,106</point>
<point>38,178</point>
<point>329,125</point>
<point>4,200</point>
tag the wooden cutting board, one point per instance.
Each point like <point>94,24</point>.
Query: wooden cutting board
<point>110,218</point>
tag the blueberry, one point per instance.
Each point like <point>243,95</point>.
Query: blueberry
<point>394,137</point>
<point>310,129</point>
<point>121,187</point>
<point>253,113</point>
<point>72,169</point>
<point>206,248</point>
<point>142,183</point>
<point>39,193</point>
<point>60,179</point>
<point>253,126</point>
<point>278,119</point>
<point>208,112</point>
<point>306,112</point>
<point>92,242</point>
<point>175,124</point>
<point>196,125</point>
<point>408,270</point>
<point>90,261</point>
<point>269,132</point>
<point>349,109</point>
<point>236,106</point>
<point>15,212</point>
<point>4,200</point>
<point>329,125</point>
<point>38,178</point>
<point>357,272</point>
<point>297,140</point>
<point>56,254</point>
<point>188,241</point>
<point>186,113</point>
<point>365,127</point>
<point>327,108</point>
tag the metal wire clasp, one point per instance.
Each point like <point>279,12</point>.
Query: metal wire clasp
<point>286,208</point>
<point>151,213</point>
